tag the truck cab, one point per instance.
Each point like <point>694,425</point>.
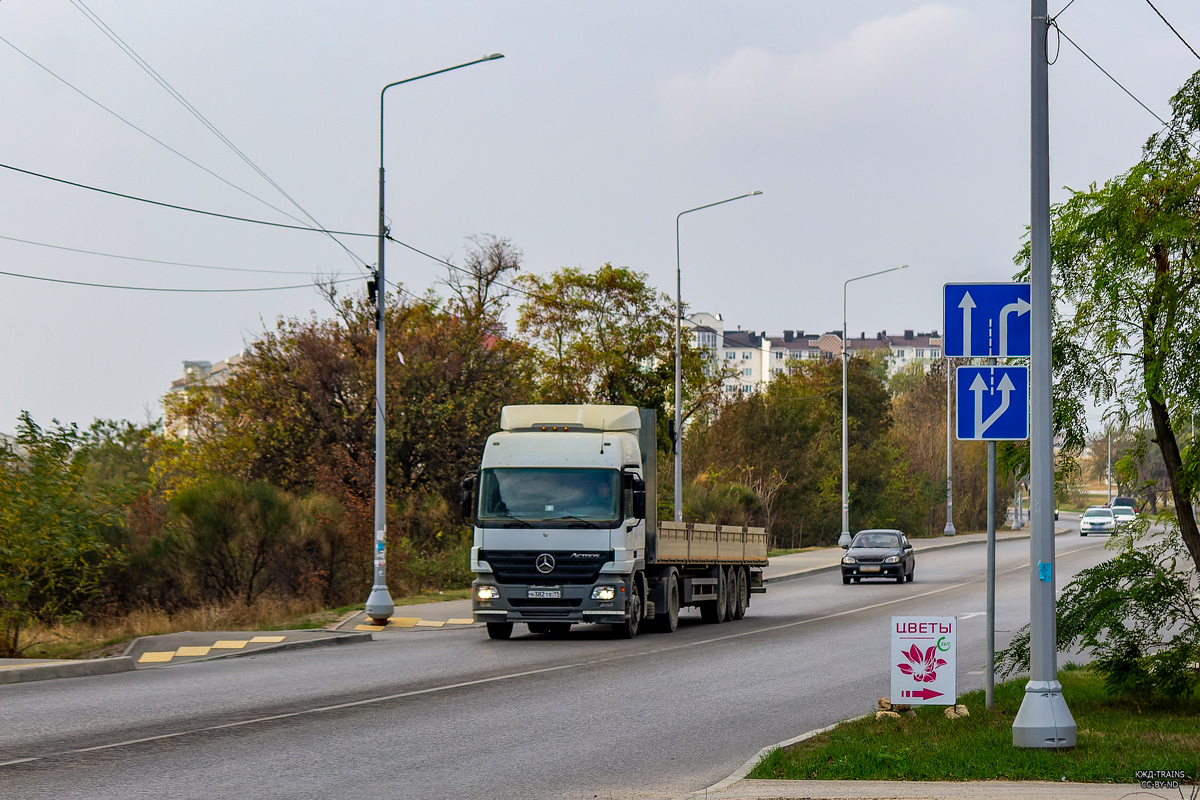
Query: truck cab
<point>558,508</point>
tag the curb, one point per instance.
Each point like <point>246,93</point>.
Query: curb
<point>66,669</point>
<point>306,644</point>
<point>744,770</point>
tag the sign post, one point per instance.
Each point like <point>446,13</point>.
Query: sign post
<point>990,320</point>
<point>924,661</point>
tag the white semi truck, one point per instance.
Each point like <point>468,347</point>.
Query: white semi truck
<point>565,533</point>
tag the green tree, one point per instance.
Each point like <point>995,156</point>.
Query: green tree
<point>1126,263</point>
<point>607,337</point>
<point>53,544</point>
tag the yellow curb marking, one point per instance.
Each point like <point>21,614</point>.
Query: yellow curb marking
<point>192,651</point>
<point>426,623</point>
<point>403,622</point>
<point>367,628</point>
<point>230,644</point>
<point>161,656</point>
<point>267,639</point>
<point>467,621</point>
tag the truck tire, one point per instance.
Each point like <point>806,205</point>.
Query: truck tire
<point>499,630</point>
<point>743,593</point>
<point>713,611</point>
<point>731,593</point>
<point>666,620</point>
<point>629,628</point>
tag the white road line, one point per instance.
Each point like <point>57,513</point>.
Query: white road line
<point>524,674</point>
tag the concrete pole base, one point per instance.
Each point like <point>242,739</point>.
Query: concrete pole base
<point>949,529</point>
<point>1044,721</point>
<point>379,605</point>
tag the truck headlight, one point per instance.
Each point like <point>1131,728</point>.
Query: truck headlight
<point>604,593</point>
<point>848,560</point>
<point>487,593</point>
<point>892,560</point>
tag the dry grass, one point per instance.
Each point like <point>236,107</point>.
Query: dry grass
<point>107,636</point>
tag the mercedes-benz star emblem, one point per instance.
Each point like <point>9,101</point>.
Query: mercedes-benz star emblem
<point>544,563</point>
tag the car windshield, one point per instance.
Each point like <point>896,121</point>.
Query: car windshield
<point>877,540</point>
<point>1123,501</point>
<point>578,497</point>
<point>1097,512</point>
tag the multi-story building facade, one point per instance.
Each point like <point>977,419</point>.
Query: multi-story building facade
<point>752,359</point>
<point>196,374</point>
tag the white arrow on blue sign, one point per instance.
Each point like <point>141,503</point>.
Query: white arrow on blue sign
<point>992,403</point>
<point>986,320</point>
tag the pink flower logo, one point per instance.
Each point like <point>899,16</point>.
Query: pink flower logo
<point>923,666</point>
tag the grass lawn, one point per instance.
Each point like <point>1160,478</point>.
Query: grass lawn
<point>1116,738</point>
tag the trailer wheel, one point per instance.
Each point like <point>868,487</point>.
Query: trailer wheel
<point>629,628</point>
<point>731,593</point>
<point>667,620</point>
<point>743,593</point>
<point>499,630</point>
<point>713,611</point>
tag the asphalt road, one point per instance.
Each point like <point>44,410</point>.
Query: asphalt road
<point>451,714</point>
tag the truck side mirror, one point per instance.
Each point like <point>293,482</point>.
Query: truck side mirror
<point>468,487</point>
<point>639,498</point>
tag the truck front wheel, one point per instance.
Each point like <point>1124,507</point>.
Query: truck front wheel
<point>499,630</point>
<point>629,628</point>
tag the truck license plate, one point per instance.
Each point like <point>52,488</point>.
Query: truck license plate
<point>868,569</point>
<point>545,593</point>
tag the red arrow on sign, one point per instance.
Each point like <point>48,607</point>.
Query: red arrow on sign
<point>924,694</point>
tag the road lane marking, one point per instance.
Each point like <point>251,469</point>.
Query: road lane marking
<point>522,674</point>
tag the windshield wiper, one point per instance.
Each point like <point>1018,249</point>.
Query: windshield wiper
<point>587,522</point>
<point>520,523</point>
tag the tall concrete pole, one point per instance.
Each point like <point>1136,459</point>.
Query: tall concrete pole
<point>677,445</point>
<point>844,539</point>
<point>1044,720</point>
<point>379,606</point>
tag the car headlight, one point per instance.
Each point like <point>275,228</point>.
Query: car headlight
<point>604,593</point>
<point>848,560</point>
<point>892,560</point>
<point>487,593</point>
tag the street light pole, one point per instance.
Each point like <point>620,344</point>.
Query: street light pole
<point>379,605</point>
<point>678,443</point>
<point>844,539</point>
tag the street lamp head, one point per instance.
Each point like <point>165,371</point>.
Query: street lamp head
<point>493,56</point>
<point>754,193</point>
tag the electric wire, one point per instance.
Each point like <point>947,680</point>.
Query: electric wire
<point>154,260</point>
<point>181,208</point>
<point>149,70</point>
<point>170,289</point>
<point>145,133</point>
<point>1172,27</point>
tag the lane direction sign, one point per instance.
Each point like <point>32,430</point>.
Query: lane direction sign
<point>924,661</point>
<point>986,320</point>
<point>992,404</point>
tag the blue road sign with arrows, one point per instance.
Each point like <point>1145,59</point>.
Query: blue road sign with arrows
<point>992,403</point>
<point>986,320</point>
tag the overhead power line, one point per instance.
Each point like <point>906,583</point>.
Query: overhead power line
<point>155,260</point>
<point>167,289</point>
<point>181,208</point>
<point>1172,27</point>
<point>161,81</point>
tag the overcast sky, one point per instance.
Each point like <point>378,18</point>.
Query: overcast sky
<point>880,133</point>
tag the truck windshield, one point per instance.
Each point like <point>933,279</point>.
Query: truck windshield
<point>565,497</point>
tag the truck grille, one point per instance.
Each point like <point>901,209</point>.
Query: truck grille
<point>520,566</point>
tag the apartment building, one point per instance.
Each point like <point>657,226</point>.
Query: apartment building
<point>754,358</point>
<point>196,374</point>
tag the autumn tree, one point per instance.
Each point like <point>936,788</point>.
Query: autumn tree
<point>1126,267</point>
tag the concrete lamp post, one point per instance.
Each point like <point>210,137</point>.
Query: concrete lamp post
<point>379,605</point>
<point>678,443</point>
<point>844,539</point>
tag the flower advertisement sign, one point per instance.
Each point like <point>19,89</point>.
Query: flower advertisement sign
<point>924,667</point>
